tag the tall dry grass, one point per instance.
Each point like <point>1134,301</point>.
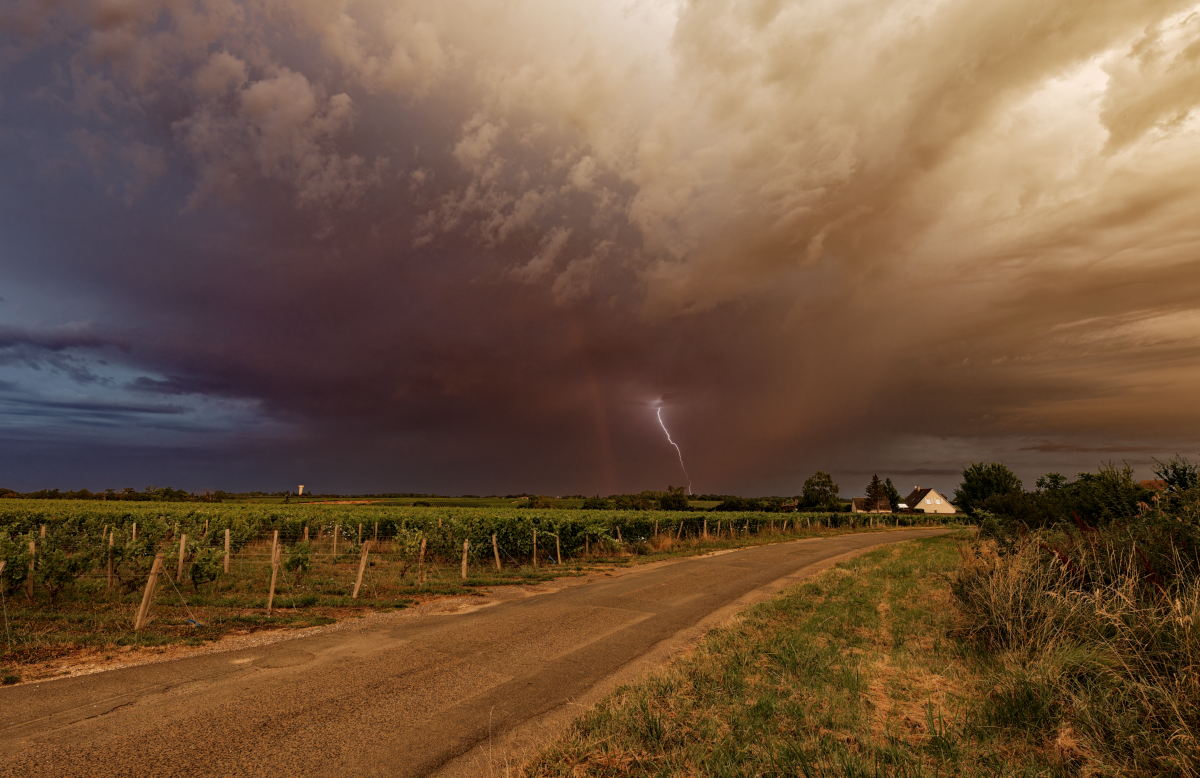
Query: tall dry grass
<point>1096,645</point>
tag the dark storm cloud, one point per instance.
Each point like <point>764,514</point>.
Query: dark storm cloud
<point>54,338</point>
<point>1068,447</point>
<point>97,409</point>
<point>467,246</point>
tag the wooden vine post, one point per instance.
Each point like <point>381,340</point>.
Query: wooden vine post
<point>620,540</point>
<point>305,533</point>
<point>360,532</point>
<point>226,551</point>
<point>535,548</point>
<point>706,529</point>
<point>421,564</point>
<point>274,571</point>
<point>336,527</point>
<point>466,545</point>
<point>135,531</point>
<point>558,549</point>
<point>111,541</point>
<point>362,568</point>
<point>496,551</point>
<point>179,566</point>
<point>376,536</point>
<point>29,578</point>
<point>148,595</point>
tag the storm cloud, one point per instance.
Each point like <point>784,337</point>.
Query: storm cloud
<point>468,247</point>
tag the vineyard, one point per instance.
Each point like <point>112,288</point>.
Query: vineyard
<point>77,574</point>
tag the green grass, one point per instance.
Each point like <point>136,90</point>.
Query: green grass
<point>854,673</point>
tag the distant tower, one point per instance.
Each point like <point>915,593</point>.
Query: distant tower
<point>301,488</point>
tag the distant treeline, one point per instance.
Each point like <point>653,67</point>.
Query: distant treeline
<point>149,494</point>
<point>674,498</point>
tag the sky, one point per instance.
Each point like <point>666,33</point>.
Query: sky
<point>477,247</point>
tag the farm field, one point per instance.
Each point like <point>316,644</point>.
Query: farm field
<point>90,570</point>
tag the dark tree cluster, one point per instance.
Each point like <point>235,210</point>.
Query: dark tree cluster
<point>149,494</point>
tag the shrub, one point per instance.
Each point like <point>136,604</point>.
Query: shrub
<point>59,563</point>
<point>207,564</point>
<point>1088,628</point>
<point>299,560</point>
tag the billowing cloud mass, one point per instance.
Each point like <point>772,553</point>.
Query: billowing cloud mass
<point>467,246</point>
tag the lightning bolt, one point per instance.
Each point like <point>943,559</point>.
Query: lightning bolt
<point>677,451</point>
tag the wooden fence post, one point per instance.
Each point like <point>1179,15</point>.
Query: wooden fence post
<point>362,567</point>
<point>274,574</point>
<point>466,545</point>
<point>535,548</point>
<point>496,551</point>
<point>226,551</point>
<point>179,566</point>
<point>274,544</point>
<point>148,595</point>
<point>29,578</point>
<point>111,540</point>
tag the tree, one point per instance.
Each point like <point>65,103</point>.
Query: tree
<point>982,480</point>
<point>674,500</point>
<point>1179,473</point>
<point>1051,482</point>
<point>820,492</point>
<point>892,495</point>
<point>877,496</point>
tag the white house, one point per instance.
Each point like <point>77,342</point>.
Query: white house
<point>927,501</point>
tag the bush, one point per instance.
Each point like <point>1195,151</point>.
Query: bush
<point>59,563</point>
<point>15,554</point>
<point>207,564</point>
<point>299,560</point>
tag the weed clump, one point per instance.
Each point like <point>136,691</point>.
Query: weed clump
<point>1095,635</point>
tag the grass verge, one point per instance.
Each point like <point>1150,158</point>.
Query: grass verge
<point>854,673</point>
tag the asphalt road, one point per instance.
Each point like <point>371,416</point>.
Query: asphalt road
<point>407,697</point>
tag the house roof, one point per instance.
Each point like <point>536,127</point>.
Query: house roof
<point>919,494</point>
